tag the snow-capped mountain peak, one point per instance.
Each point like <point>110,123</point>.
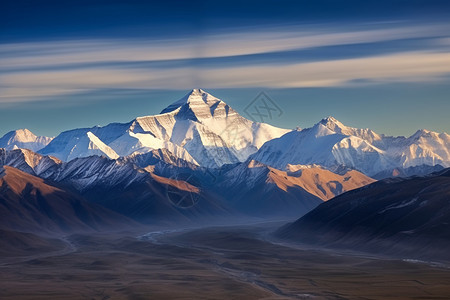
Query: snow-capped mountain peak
<point>196,96</point>
<point>332,144</point>
<point>330,120</point>
<point>424,147</point>
<point>321,129</point>
<point>22,135</point>
<point>23,138</point>
<point>198,128</point>
<point>334,125</point>
<point>424,133</point>
<point>209,129</point>
<point>199,105</point>
<point>338,127</point>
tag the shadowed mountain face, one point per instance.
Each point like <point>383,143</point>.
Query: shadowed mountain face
<point>395,216</point>
<point>158,187</point>
<point>131,186</point>
<point>160,200</point>
<point>258,189</point>
<point>407,172</point>
<point>29,204</point>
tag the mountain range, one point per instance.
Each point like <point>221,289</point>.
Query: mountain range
<point>331,144</point>
<point>203,130</point>
<point>148,187</point>
<point>200,161</point>
<point>195,128</point>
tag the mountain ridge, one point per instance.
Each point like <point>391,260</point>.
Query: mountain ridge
<point>205,131</point>
<point>134,184</point>
<point>31,204</point>
<point>332,144</point>
<point>197,127</point>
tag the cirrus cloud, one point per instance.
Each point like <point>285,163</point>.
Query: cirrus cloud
<point>37,70</point>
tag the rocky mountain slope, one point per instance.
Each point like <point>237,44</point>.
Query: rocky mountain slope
<point>408,217</point>
<point>256,188</point>
<point>30,204</point>
<point>157,186</point>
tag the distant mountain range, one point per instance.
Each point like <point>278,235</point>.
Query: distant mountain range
<point>205,131</point>
<point>23,138</point>
<point>331,144</point>
<point>200,161</point>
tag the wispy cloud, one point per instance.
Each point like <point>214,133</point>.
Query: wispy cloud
<point>31,71</point>
<point>219,45</point>
<point>387,68</point>
<point>27,86</point>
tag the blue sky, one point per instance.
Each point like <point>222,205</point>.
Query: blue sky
<point>378,64</point>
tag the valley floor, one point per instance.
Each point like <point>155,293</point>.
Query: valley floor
<point>212,263</point>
